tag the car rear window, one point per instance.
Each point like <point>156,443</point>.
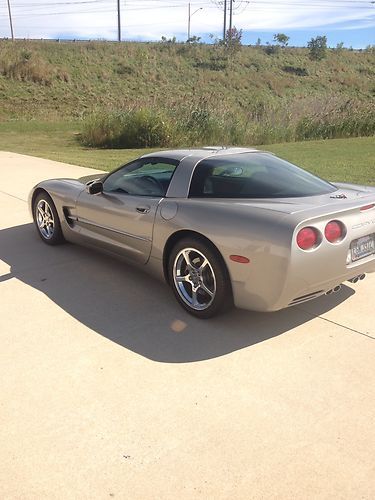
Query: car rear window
<point>254,175</point>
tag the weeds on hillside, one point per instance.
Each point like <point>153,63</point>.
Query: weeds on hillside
<point>132,128</point>
<point>17,63</point>
<point>199,124</point>
<point>336,126</point>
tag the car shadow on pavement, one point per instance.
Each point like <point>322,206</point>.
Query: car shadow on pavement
<point>134,310</point>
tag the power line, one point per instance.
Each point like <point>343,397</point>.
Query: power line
<point>65,8</point>
<point>236,5</point>
<point>219,3</point>
<point>97,10</point>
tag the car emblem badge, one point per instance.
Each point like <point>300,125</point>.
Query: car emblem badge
<point>339,196</point>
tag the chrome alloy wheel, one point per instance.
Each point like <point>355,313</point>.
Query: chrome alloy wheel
<point>45,219</point>
<point>194,278</point>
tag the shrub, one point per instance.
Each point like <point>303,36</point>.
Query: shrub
<point>214,63</point>
<point>145,128</point>
<point>168,41</point>
<point>233,39</point>
<point>296,70</point>
<point>318,48</point>
<point>271,49</point>
<point>281,39</point>
<point>101,130</point>
<point>123,69</point>
<point>200,125</point>
<point>194,40</point>
<point>339,47</point>
<point>142,128</point>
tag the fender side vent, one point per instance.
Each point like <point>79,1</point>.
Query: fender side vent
<point>70,219</point>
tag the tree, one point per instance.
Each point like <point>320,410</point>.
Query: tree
<point>233,39</point>
<point>194,40</point>
<point>318,48</point>
<point>166,40</point>
<point>281,39</point>
<point>340,47</point>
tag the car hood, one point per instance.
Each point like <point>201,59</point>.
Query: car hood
<point>91,177</point>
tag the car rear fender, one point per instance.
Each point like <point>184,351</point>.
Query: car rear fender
<point>262,236</point>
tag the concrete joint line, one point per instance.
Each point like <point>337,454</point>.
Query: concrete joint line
<point>348,328</point>
<point>365,334</point>
<point>13,196</point>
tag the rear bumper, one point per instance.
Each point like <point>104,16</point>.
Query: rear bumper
<point>298,288</point>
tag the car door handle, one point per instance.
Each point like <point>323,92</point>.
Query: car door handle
<point>143,210</point>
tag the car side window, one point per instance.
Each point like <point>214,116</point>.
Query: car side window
<point>144,177</point>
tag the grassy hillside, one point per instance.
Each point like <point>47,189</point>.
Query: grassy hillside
<point>54,81</point>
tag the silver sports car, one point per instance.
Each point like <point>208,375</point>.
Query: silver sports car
<point>221,226</point>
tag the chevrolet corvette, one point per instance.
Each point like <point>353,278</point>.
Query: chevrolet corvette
<point>221,226</point>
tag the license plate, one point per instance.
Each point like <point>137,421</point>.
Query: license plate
<point>363,247</point>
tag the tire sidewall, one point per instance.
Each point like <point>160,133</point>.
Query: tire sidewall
<point>223,297</point>
<point>57,236</point>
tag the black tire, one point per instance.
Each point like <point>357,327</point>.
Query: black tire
<point>213,277</point>
<point>50,232</point>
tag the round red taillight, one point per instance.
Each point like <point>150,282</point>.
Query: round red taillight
<point>333,231</point>
<point>307,238</point>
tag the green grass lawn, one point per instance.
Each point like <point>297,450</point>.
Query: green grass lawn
<point>346,160</point>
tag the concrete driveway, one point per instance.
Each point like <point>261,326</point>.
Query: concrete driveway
<point>108,389</point>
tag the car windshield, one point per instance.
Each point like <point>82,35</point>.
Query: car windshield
<point>254,175</point>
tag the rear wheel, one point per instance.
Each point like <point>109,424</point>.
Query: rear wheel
<point>199,278</point>
<point>47,220</point>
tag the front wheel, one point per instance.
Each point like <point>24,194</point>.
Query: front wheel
<point>199,278</point>
<point>47,220</point>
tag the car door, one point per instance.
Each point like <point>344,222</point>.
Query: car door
<point>121,217</point>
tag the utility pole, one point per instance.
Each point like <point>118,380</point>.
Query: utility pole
<point>190,16</point>
<point>10,20</point>
<point>118,21</point>
<point>230,16</point>
<point>225,21</point>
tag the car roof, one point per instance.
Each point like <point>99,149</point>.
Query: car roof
<point>200,153</point>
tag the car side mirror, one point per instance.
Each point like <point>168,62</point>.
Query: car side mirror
<point>95,187</point>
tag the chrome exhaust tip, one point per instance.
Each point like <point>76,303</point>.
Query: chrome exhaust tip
<point>357,278</point>
<point>329,292</point>
<point>337,288</point>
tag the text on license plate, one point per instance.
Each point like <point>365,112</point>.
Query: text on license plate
<point>363,247</point>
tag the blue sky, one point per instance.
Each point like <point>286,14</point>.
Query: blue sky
<point>348,21</point>
<point>357,38</point>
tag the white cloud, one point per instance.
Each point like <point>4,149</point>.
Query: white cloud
<point>150,19</point>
